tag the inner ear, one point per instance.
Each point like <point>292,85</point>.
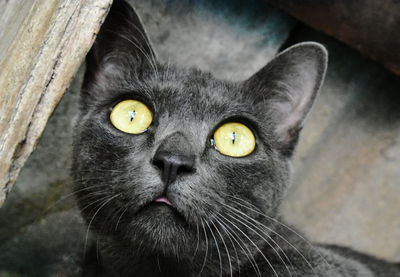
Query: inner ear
<point>286,88</point>
<point>121,42</point>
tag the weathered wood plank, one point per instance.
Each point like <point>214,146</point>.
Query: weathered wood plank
<point>370,26</point>
<point>38,59</point>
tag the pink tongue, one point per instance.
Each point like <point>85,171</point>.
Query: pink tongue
<point>163,200</point>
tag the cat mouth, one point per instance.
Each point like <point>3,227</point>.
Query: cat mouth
<point>161,210</point>
<point>163,199</point>
<point>160,202</point>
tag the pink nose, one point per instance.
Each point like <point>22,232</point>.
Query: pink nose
<point>163,199</point>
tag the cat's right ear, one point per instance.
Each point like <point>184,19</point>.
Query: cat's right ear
<point>121,44</point>
<point>286,87</point>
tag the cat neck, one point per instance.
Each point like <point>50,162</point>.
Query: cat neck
<point>115,259</point>
<point>112,259</point>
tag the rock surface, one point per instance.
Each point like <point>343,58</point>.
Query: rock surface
<point>346,183</point>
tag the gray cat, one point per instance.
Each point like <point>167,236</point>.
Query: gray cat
<point>178,173</point>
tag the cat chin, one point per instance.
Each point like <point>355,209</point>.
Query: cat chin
<point>160,227</point>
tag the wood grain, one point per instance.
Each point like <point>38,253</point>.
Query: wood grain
<point>39,57</point>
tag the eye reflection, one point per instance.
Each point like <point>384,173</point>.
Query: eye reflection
<point>132,114</point>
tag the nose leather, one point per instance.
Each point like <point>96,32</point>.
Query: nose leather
<point>172,165</point>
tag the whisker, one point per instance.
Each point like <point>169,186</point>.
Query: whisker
<point>216,244</point>
<point>119,218</point>
<point>147,42</point>
<point>284,225</point>
<point>226,249</point>
<point>246,251</point>
<point>198,241</point>
<point>264,239</point>
<point>205,256</point>
<point>255,245</point>
<point>93,202</point>
<point>276,233</point>
<point>166,72</point>
<point>230,239</point>
<point>66,197</point>
<point>136,45</point>
<point>250,255</point>
<point>98,210</point>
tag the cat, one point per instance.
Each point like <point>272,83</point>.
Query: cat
<point>178,173</point>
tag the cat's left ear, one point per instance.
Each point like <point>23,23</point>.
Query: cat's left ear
<point>286,89</point>
<point>122,43</point>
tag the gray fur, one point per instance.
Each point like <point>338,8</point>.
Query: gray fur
<point>225,217</point>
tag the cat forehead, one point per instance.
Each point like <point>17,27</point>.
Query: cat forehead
<point>190,92</point>
<point>199,94</point>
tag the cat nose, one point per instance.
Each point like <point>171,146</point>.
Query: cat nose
<point>172,165</point>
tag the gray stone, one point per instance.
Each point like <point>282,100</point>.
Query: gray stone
<point>346,183</point>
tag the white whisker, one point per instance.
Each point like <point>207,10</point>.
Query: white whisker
<point>263,238</point>
<point>205,256</point>
<point>230,239</point>
<point>98,210</point>
<point>255,245</point>
<point>216,245</point>
<point>287,227</point>
<point>226,249</point>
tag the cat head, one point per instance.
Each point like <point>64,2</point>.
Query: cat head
<point>165,156</point>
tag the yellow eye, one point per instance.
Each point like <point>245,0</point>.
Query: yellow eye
<point>131,116</point>
<point>234,139</point>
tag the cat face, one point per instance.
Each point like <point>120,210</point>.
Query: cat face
<point>174,186</point>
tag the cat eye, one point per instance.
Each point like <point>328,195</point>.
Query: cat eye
<point>131,116</point>
<point>234,139</point>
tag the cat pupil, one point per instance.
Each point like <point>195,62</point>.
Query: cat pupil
<point>132,114</point>
<point>233,137</point>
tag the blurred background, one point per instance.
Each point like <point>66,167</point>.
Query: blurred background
<point>346,182</point>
